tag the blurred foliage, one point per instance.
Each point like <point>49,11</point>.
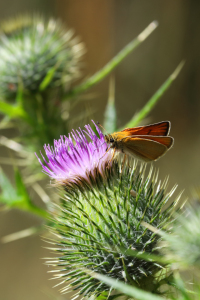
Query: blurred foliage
<point>40,61</point>
<point>18,197</point>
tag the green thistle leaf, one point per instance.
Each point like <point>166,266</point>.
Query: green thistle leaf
<point>17,197</point>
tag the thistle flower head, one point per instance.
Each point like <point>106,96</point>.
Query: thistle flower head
<point>97,222</point>
<point>74,159</point>
<point>32,48</point>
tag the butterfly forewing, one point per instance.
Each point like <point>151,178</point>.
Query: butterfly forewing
<point>157,129</point>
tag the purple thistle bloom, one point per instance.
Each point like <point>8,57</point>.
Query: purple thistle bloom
<point>74,157</point>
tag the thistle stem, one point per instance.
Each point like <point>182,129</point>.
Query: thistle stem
<point>38,211</point>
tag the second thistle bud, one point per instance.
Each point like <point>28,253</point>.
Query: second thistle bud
<point>32,49</point>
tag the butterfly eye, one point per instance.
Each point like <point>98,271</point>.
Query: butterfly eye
<point>111,140</point>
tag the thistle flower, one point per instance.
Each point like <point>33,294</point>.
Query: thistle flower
<point>32,49</point>
<point>101,216</point>
<point>71,164</point>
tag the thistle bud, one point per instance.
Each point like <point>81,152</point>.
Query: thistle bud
<point>32,50</point>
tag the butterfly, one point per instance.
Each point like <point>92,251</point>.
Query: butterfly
<point>147,143</point>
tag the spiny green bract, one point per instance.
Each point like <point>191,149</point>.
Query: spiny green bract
<point>96,223</point>
<point>32,49</point>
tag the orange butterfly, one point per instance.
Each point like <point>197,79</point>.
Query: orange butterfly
<point>147,143</point>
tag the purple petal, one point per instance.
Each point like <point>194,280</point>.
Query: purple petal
<point>74,156</point>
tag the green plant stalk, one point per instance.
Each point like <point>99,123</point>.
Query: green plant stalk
<point>15,112</point>
<point>21,234</point>
<point>12,110</point>
<point>125,288</point>
<point>37,211</point>
<point>31,208</point>
<point>179,284</point>
<point>154,99</point>
<point>48,78</point>
<point>109,67</point>
<point>110,120</point>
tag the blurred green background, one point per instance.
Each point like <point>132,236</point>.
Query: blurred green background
<point>106,27</point>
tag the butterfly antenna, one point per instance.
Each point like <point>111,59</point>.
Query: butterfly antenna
<point>98,123</point>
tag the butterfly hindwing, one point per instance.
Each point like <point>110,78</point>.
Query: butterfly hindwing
<point>164,140</point>
<point>145,149</point>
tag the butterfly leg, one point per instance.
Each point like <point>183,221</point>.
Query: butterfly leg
<point>123,161</point>
<point>128,163</point>
<point>112,156</point>
<point>105,153</point>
